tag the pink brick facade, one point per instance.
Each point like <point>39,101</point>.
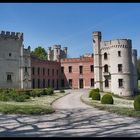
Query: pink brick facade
<point>68,73</point>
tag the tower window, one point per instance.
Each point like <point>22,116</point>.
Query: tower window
<point>92,68</point>
<point>9,77</point>
<point>105,68</point>
<point>105,56</point>
<point>106,83</point>
<point>119,53</point>
<point>120,81</point>
<point>25,69</point>
<point>119,67</point>
<point>70,69</point>
<point>10,54</point>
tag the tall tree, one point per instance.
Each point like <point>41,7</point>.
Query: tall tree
<point>40,52</point>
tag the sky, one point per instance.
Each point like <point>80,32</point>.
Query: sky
<point>71,24</point>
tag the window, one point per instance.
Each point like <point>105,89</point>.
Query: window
<point>92,82</point>
<point>62,83</point>
<point>10,54</point>
<point>81,69</point>
<point>38,71</point>
<point>9,77</point>
<point>119,53</point>
<point>119,67</point>
<point>70,83</point>
<point>25,69</point>
<point>105,56</point>
<point>44,83</point>
<point>62,69</point>
<point>48,72</point>
<point>38,83</point>
<point>33,70</point>
<point>43,71</point>
<point>105,68</point>
<point>48,82</point>
<point>106,83</point>
<point>33,83</point>
<point>70,69</point>
<point>92,68</point>
<point>120,82</point>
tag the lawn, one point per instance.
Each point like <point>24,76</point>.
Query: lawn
<point>120,106</point>
<point>36,105</point>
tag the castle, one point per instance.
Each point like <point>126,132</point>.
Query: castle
<point>115,65</point>
<point>112,68</point>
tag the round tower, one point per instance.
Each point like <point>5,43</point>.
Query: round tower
<point>97,60</point>
<point>134,66</point>
<point>121,67</point>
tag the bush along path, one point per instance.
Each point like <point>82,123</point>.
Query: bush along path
<point>113,104</point>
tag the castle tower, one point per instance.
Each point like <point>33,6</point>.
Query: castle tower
<point>121,67</point>
<point>97,60</point>
<point>56,49</point>
<point>134,63</point>
<point>49,53</point>
<point>65,52</point>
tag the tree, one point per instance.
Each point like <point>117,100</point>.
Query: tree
<point>40,52</point>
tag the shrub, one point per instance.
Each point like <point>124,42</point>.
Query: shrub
<point>90,93</point>
<point>62,91</point>
<point>20,98</point>
<point>96,90</point>
<point>107,99</point>
<point>137,103</point>
<point>49,91</point>
<point>95,95</point>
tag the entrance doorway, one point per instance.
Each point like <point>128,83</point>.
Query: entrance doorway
<point>81,85</point>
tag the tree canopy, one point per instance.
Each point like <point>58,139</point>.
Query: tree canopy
<point>40,52</point>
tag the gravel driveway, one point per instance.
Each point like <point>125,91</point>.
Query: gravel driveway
<point>71,119</point>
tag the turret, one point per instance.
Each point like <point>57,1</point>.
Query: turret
<point>56,49</point>
<point>49,53</point>
<point>65,52</point>
<point>97,60</point>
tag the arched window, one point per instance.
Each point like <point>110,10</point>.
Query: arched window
<point>106,83</point>
<point>105,68</point>
<point>105,55</point>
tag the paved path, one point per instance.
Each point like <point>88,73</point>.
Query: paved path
<point>71,119</point>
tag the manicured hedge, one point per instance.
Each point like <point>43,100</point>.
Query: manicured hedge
<point>107,99</point>
<point>96,96</point>
<point>92,91</point>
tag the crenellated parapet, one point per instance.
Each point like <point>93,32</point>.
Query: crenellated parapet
<point>118,43</point>
<point>12,35</point>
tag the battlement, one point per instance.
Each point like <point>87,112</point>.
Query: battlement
<point>124,43</point>
<point>57,46</point>
<point>15,35</point>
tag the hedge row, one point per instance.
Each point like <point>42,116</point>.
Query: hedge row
<point>22,95</point>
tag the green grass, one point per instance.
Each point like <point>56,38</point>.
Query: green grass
<point>117,108</point>
<point>37,105</point>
